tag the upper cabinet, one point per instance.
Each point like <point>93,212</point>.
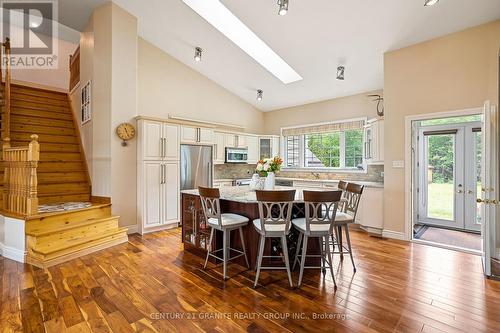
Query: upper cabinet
<point>268,146</point>
<point>374,141</point>
<point>159,141</point>
<point>253,149</point>
<point>197,135</point>
<point>235,140</point>
<point>219,148</point>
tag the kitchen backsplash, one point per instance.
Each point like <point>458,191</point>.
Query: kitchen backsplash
<point>238,171</point>
<point>234,171</point>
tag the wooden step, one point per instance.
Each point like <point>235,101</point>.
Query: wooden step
<point>56,177</point>
<point>60,157</point>
<point>24,120</point>
<point>79,226</point>
<point>18,88</point>
<point>38,106</point>
<point>49,199</point>
<point>56,99</point>
<point>51,147</point>
<point>61,188</point>
<point>40,130</point>
<point>41,113</point>
<point>56,220</point>
<point>66,246</point>
<point>44,138</point>
<point>67,166</point>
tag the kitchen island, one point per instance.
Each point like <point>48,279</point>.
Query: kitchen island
<point>239,200</point>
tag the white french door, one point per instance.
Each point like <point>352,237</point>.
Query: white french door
<point>448,172</point>
<point>489,186</point>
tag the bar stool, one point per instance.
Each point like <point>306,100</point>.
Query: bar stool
<point>210,202</point>
<point>350,204</point>
<point>275,211</point>
<point>320,212</point>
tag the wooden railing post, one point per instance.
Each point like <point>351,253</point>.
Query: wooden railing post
<point>6,91</point>
<point>20,178</point>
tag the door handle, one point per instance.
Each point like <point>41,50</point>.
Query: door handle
<point>460,191</point>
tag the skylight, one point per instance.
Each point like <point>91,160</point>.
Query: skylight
<point>215,13</point>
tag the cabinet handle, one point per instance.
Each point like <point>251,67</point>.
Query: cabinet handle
<point>164,147</point>
<point>161,147</point>
<point>198,134</point>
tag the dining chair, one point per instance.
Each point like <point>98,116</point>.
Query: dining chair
<point>225,222</point>
<point>320,213</point>
<point>275,212</point>
<point>346,216</point>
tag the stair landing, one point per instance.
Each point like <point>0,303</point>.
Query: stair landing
<point>56,237</point>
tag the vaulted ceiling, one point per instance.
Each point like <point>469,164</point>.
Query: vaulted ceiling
<point>313,38</point>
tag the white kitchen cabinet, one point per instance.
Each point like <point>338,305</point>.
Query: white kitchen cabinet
<point>171,194</point>
<point>219,148</point>
<point>158,196</point>
<point>158,141</point>
<point>236,140</point>
<point>269,146</point>
<point>253,149</point>
<point>152,190</point>
<point>371,212</point>
<point>197,135</point>
<point>374,141</point>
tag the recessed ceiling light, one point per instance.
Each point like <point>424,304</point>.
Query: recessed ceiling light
<point>259,95</point>
<point>283,7</point>
<point>429,3</point>
<point>215,13</point>
<point>197,54</point>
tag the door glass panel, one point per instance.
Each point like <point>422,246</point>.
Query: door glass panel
<point>478,145</point>
<point>440,176</point>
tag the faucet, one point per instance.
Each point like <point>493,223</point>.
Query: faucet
<point>315,175</point>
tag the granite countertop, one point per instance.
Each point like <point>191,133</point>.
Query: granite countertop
<point>244,194</point>
<point>329,181</point>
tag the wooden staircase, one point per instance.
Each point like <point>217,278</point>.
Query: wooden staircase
<point>53,238</point>
<point>45,164</point>
<point>62,173</point>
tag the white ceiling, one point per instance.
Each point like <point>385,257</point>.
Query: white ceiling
<point>314,37</point>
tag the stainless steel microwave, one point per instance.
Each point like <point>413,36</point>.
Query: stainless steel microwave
<point>236,155</point>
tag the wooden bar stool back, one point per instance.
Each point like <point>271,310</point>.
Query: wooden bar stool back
<point>275,212</point>
<point>225,222</point>
<point>320,212</point>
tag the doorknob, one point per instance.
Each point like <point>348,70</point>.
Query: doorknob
<point>470,192</point>
<point>479,200</point>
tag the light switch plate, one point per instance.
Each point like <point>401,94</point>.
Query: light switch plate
<point>398,164</point>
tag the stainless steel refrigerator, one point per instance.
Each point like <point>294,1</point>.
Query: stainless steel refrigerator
<point>196,167</point>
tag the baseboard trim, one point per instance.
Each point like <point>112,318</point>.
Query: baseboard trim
<point>132,229</point>
<point>12,253</point>
<point>393,234</point>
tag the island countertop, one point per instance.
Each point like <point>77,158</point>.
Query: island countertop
<point>243,194</point>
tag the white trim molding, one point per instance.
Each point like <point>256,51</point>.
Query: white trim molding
<point>132,229</point>
<point>12,253</point>
<point>394,235</point>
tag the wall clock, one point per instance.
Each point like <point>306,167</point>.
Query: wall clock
<point>125,131</point>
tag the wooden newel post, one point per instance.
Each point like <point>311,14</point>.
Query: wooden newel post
<point>6,173</point>
<point>33,158</point>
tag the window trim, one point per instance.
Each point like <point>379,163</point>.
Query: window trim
<point>342,167</point>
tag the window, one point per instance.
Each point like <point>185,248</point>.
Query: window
<point>333,145</point>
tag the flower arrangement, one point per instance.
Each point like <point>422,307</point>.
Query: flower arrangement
<point>268,165</point>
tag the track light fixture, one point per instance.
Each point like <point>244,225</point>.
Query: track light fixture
<point>428,3</point>
<point>197,54</point>
<point>283,7</point>
<point>340,72</point>
<point>259,95</point>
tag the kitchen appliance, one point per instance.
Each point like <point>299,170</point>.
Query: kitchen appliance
<point>196,167</point>
<point>236,155</point>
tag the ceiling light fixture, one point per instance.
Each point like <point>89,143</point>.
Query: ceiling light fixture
<point>283,7</point>
<point>259,95</point>
<point>340,73</point>
<point>215,13</point>
<point>197,54</point>
<point>429,3</point>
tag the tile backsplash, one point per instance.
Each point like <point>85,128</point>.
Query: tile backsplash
<point>238,171</point>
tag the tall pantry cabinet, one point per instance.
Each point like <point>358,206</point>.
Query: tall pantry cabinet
<point>158,158</point>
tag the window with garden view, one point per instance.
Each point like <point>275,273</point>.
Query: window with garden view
<point>341,149</point>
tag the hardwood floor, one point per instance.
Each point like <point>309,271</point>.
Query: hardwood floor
<point>151,285</point>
